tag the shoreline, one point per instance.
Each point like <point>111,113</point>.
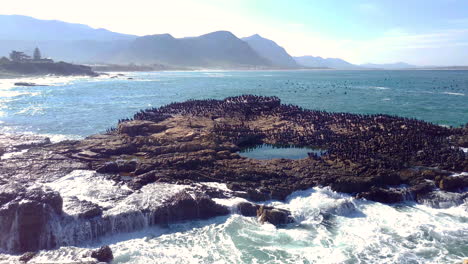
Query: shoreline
<point>18,76</point>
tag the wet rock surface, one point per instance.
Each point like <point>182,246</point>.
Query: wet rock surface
<point>25,218</point>
<point>27,256</point>
<point>188,143</point>
<point>103,254</point>
<point>274,216</point>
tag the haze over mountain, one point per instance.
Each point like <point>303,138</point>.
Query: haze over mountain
<point>271,51</point>
<point>222,49</point>
<point>390,66</point>
<point>16,27</point>
<point>60,40</point>
<point>319,62</point>
<point>217,49</point>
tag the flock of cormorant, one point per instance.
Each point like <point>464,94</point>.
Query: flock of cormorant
<point>376,140</point>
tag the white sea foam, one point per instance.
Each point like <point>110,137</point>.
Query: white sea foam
<point>451,93</point>
<point>114,198</point>
<point>9,93</point>
<point>379,88</point>
<point>368,233</point>
<point>31,110</point>
<point>90,186</point>
<point>10,155</point>
<point>364,232</point>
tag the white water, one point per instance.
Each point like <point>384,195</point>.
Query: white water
<point>331,228</point>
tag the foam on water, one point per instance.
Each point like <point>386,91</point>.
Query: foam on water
<point>450,93</point>
<point>331,228</point>
<point>89,186</point>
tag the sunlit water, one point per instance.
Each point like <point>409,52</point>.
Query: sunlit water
<point>267,151</point>
<point>84,106</point>
<point>330,228</point>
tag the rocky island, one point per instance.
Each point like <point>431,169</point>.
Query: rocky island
<point>181,162</point>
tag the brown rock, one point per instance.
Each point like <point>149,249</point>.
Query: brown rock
<point>273,216</point>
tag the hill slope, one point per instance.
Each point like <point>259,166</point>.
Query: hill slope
<point>390,66</point>
<point>217,49</point>
<point>271,51</point>
<point>319,62</point>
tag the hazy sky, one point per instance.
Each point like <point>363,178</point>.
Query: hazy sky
<point>423,32</point>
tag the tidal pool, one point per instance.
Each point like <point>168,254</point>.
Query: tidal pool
<point>268,151</point>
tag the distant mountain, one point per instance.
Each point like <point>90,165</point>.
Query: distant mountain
<point>271,51</point>
<point>59,40</point>
<point>319,62</point>
<point>15,27</point>
<point>390,66</point>
<point>82,44</point>
<point>218,49</point>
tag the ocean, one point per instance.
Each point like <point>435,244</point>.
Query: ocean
<point>330,227</point>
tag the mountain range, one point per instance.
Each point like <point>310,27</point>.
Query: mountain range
<point>83,44</point>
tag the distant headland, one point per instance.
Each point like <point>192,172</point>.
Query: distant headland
<point>21,64</point>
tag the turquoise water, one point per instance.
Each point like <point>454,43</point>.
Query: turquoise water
<point>267,151</point>
<point>86,106</point>
<point>330,227</point>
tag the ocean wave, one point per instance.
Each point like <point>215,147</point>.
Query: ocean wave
<point>378,233</point>
<point>451,93</point>
<point>379,88</point>
<point>9,93</point>
<point>31,110</point>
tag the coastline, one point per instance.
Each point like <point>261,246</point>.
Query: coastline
<point>183,145</point>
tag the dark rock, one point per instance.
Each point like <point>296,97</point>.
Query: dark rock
<point>10,191</point>
<point>26,220</point>
<point>184,207</point>
<point>27,84</point>
<point>274,216</point>
<point>126,165</point>
<point>440,199</point>
<point>86,209</point>
<point>138,127</point>
<point>352,184</point>
<point>454,183</point>
<point>27,256</point>
<point>257,196</point>
<point>247,209</point>
<point>141,180</point>
<point>108,167</point>
<point>422,188</point>
<point>46,196</point>
<point>383,195</point>
<point>43,68</point>
<point>104,254</point>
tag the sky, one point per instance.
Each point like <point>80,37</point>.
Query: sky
<point>420,32</point>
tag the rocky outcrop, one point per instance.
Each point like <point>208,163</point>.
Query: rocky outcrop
<point>27,256</point>
<point>185,206</point>
<point>103,254</point>
<point>273,215</point>
<point>265,214</point>
<point>54,68</point>
<point>25,218</point>
<point>378,157</point>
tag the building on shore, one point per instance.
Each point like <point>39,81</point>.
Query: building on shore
<point>19,56</point>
